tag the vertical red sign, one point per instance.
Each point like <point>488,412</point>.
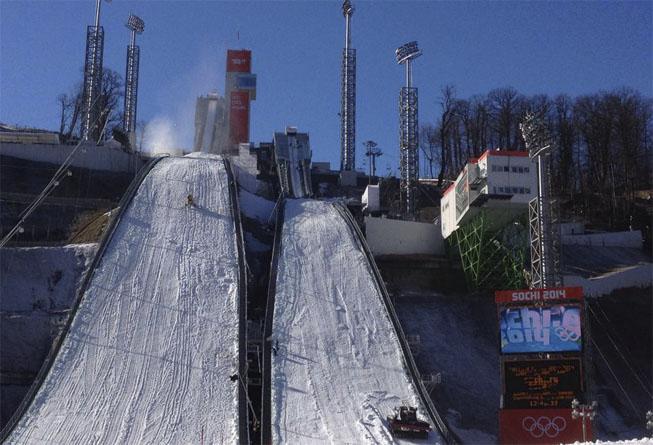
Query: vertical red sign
<point>239,61</point>
<point>541,426</point>
<point>239,117</point>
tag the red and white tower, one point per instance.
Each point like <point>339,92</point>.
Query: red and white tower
<point>240,89</point>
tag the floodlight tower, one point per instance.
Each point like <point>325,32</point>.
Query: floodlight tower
<point>136,25</point>
<point>545,258</point>
<point>93,78</point>
<point>348,96</point>
<point>408,132</point>
<point>372,151</point>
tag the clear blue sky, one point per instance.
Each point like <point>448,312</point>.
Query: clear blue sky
<point>537,47</point>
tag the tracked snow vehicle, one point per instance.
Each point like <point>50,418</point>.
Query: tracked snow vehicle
<point>404,423</point>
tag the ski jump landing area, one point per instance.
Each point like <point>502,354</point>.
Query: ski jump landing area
<point>337,366</point>
<point>158,329</point>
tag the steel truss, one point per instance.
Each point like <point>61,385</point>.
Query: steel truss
<point>348,111</point>
<point>492,259</point>
<point>408,149</point>
<point>131,88</point>
<point>91,106</point>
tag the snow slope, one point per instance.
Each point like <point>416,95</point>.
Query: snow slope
<point>338,370</point>
<point>151,347</point>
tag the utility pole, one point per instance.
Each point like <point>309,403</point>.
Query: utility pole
<point>348,96</point>
<point>408,131</point>
<point>136,25</point>
<point>372,152</point>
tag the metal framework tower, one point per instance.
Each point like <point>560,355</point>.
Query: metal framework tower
<point>348,96</point>
<point>93,78</point>
<point>136,25</point>
<point>372,152</point>
<point>544,242</point>
<point>408,131</point>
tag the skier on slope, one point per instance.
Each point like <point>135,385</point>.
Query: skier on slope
<point>189,201</point>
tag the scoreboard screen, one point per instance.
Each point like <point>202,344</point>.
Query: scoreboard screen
<point>541,383</point>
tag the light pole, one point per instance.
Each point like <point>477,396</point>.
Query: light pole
<point>93,78</point>
<point>584,412</point>
<point>408,132</point>
<point>348,96</point>
<point>136,25</point>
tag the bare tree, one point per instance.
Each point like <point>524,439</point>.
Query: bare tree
<point>110,100</point>
<point>445,123</point>
<point>428,143</point>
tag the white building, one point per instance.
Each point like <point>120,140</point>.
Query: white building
<point>499,180</point>
<point>211,130</point>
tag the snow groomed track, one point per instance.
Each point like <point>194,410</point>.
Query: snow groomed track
<point>336,366</point>
<point>158,329</point>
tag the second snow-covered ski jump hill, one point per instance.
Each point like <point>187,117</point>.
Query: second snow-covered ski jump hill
<point>155,341</point>
<point>337,367</point>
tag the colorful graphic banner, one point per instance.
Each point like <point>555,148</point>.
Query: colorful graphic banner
<point>530,329</point>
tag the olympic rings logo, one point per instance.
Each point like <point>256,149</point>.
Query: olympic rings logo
<point>565,334</point>
<point>544,425</point>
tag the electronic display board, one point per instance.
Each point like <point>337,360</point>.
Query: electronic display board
<point>530,329</point>
<point>541,383</point>
<point>541,426</point>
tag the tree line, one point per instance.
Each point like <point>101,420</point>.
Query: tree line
<point>601,160</point>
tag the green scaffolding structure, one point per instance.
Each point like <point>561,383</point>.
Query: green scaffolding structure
<point>493,258</point>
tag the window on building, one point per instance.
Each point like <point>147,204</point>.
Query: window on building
<point>506,168</point>
<point>526,169</point>
<point>514,169</point>
<point>521,169</point>
<point>528,190</point>
<point>515,190</point>
<point>521,190</point>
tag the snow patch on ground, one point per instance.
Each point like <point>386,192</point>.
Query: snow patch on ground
<point>155,339</point>
<point>338,370</point>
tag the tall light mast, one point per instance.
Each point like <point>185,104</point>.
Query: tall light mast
<point>545,258</point>
<point>136,25</point>
<point>348,97</point>
<point>408,131</point>
<point>93,78</point>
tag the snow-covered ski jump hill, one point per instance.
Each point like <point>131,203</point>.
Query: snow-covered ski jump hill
<point>158,328</point>
<point>337,366</point>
